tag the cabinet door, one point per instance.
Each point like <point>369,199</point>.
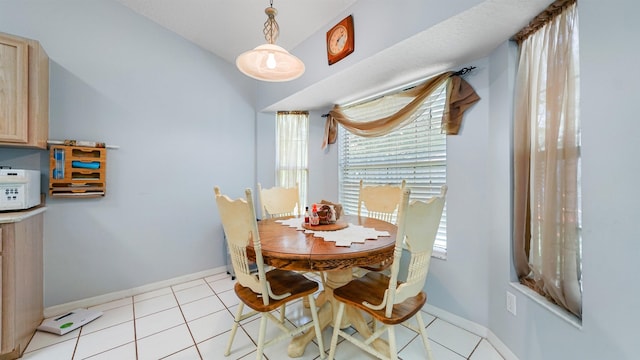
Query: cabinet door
<point>1,286</point>
<point>1,317</point>
<point>14,86</point>
<point>22,284</point>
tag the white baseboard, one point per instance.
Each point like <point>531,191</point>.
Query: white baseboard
<point>456,320</point>
<point>472,327</point>
<point>101,299</point>
<point>500,346</point>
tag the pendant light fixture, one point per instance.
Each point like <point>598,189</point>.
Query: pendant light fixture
<point>270,62</point>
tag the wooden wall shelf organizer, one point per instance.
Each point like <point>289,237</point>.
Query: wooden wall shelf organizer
<point>77,171</point>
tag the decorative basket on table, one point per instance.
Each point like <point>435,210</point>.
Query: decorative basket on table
<point>336,206</point>
<point>327,218</point>
<point>327,215</point>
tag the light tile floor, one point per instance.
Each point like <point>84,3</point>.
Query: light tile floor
<point>192,321</point>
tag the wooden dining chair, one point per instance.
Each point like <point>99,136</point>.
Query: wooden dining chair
<point>389,301</point>
<point>279,202</point>
<point>265,291</point>
<point>380,201</point>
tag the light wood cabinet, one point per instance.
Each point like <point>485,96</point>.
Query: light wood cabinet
<point>24,92</point>
<point>21,266</point>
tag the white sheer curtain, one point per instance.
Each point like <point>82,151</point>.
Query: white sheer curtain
<point>547,244</point>
<point>292,136</point>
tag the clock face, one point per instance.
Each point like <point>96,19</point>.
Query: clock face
<point>338,39</point>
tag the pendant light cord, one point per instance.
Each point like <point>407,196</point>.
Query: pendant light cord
<point>271,29</point>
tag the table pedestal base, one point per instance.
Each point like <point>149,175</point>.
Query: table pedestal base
<point>326,307</point>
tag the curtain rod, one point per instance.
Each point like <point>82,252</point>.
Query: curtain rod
<point>463,71</point>
<point>542,19</point>
<point>293,112</point>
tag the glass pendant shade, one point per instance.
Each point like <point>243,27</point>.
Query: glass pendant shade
<point>270,62</point>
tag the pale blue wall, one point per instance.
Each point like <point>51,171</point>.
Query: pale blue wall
<point>183,118</point>
<point>608,78</point>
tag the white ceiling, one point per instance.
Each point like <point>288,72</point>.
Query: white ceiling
<point>229,27</point>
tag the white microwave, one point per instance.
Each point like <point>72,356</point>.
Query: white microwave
<point>19,189</point>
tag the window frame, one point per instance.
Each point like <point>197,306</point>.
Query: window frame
<point>297,137</point>
<point>424,174</point>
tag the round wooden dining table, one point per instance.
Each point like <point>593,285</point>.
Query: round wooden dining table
<point>286,248</point>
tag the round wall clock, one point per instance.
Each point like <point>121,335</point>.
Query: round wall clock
<point>340,41</point>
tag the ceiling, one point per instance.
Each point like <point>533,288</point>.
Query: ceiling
<point>229,27</point>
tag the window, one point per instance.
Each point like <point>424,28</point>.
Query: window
<point>416,153</point>
<point>292,137</point>
<point>547,240</point>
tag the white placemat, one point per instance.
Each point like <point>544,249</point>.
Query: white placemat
<point>344,237</point>
<point>351,234</point>
<point>293,222</point>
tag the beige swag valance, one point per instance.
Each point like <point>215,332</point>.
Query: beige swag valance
<point>460,96</point>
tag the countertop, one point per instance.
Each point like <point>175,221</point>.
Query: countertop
<point>16,216</point>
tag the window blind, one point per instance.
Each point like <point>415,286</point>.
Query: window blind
<point>416,153</point>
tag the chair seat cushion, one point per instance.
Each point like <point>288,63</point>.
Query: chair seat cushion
<point>282,281</point>
<point>370,288</point>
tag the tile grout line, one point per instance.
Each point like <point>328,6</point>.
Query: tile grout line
<point>94,332</point>
<point>195,344</point>
<point>173,292</point>
<point>75,348</point>
<point>240,325</point>
<point>135,327</point>
<point>474,349</point>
